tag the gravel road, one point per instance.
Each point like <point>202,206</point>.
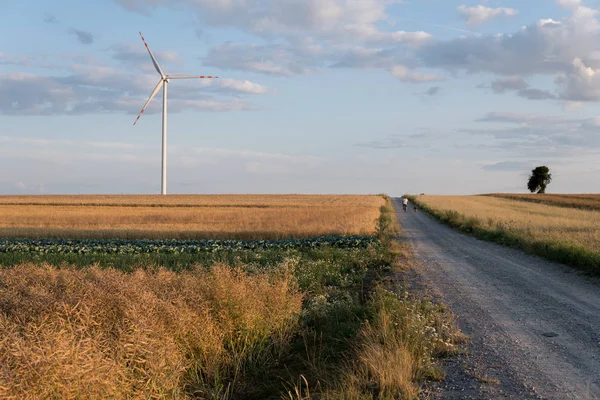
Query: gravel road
<point>534,324</point>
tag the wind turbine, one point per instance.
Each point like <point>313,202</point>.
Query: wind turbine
<point>164,80</point>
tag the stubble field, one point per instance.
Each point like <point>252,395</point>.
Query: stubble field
<point>544,224</point>
<point>584,201</point>
<point>188,216</point>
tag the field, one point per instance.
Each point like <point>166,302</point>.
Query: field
<point>583,201</point>
<point>564,234</point>
<point>214,319</point>
<point>188,216</point>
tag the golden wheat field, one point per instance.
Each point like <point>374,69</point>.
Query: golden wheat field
<point>587,201</point>
<point>542,222</point>
<point>188,216</point>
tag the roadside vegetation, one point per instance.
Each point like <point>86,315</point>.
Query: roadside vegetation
<point>234,323</point>
<point>188,216</point>
<point>558,233</point>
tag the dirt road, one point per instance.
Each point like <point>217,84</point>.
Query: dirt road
<point>535,325</point>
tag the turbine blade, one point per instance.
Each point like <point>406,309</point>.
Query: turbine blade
<point>191,77</point>
<point>152,56</point>
<point>154,92</point>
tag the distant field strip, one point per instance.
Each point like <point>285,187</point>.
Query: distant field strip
<point>585,201</point>
<point>176,200</point>
<point>188,216</point>
<point>568,235</point>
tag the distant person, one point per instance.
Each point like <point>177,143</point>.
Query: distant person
<point>404,204</point>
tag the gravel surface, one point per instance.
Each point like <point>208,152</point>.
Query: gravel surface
<point>534,324</point>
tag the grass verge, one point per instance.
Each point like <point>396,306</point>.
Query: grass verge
<point>395,349</point>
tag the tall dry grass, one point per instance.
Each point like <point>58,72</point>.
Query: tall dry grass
<point>395,352</point>
<point>93,333</point>
<point>188,217</point>
<point>568,235</point>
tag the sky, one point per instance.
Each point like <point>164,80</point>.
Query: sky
<point>313,96</point>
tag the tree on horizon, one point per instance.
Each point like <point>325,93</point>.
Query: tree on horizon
<point>540,178</point>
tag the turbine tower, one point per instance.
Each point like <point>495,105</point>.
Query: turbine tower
<point>164,80</point>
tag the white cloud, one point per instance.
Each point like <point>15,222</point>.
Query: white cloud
<point>520,86</point>
<point>479,14</point>
<point>349,56</point>
<point>566,49</point>
<point>532,135</point>
<point>282,59</point>
<point>508,166</point>
<point>520,118</point>
<point>93,89</point>
<point>8,59</point>
<point>536,94</point>
<point>326,19</point>
<point>581,83</point>
<point>421,139</point>
<point>302,36</point>
<point>501,85</point>
<point>369,34</point>
<point>545,47</point>
<point>241,86</point>
<point>569,4</point>
<point>136,55</point>
<point>404,74</point>
<point>305,57</point>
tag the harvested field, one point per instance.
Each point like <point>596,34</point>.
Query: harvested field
<point>584,201</point>
<point>568,235</point>
<point>188,216</point>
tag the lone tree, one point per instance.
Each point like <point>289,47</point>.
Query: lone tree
<point>539,179</point>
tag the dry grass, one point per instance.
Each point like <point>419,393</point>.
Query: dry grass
<point>585,201</point>
<point>72,333</point>
<point>396,350</point>
<point>227,216</point>
<point>542,222</point>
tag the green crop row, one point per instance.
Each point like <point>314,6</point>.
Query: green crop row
<point>173,246</point>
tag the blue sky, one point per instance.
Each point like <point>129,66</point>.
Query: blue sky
<point>314,96</point>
